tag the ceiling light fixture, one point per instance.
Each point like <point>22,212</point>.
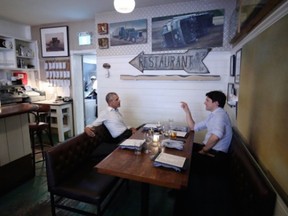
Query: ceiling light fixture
<point>124,6</point>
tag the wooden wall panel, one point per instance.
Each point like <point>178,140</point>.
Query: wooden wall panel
<point>263,99</point>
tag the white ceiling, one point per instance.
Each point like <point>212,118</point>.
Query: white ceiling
<point>37,12</point>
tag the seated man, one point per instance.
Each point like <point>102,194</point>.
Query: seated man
<point>211,155</point>
<point>208,191</point>
<point>113,120</point>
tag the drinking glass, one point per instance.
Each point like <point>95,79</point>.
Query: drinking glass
<point>137,150</point>
<point>170,121</point>
<point>148,141</point>
<point>162,146</point>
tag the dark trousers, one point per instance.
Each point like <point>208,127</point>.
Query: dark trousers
<point>208,191</point>
<point>216,163</point>
<point>106,148</point>
<point>125,135</point>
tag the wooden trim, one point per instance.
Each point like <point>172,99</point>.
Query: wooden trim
<point>172,77</point>
<point>254,19</point>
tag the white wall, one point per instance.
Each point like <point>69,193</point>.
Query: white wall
<point>13,29</point>
<point>152,101</point>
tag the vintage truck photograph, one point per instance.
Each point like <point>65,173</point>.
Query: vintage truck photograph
<point>131,32</point>
<point>186,31</point>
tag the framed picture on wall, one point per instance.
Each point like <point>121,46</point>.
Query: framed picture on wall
<point>188,31</point>
<point>238,66</point>
<point>102,28</point>
<point>232,98</point>
<point>54,41</point>
<point>232,65</point>
<point>131,32</point>
<point>103,43</point>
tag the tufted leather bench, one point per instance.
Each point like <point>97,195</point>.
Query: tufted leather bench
<point>252,194</point>
<point>70,173</point>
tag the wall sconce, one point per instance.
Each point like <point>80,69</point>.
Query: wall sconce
<point>124,6</point>
<point>107,66</point>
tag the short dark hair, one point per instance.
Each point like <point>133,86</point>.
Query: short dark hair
<point>218,96</point>
<point>109,96</point>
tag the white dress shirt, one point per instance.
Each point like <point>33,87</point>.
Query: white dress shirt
<point>112,119</point>
<point>217,123</point>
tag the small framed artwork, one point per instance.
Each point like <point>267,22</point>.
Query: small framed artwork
<point>232,65</point>
<point>54,41</point>
<point>103,43</point>
<point>128,32</point>
<point>238,66</point>
<point>102,28</point>
<point>232,98</point>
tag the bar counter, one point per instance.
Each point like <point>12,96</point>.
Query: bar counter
<point>16,109</point>
<point>15,148</point>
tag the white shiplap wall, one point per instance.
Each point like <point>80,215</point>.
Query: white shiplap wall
<point>152,101</point>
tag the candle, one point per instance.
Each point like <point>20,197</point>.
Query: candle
<point>156,138</point>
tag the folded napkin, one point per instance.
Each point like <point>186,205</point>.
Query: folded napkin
<point>176,144</point>
<point>131,147</point>
<point>159,164</point>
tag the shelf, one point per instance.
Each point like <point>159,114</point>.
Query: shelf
<point>25,57</point>
<point>13,68</point>
<point>3,49</point>
<point>22,55</point>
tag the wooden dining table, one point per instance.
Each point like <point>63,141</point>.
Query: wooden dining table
<point>124,163</point>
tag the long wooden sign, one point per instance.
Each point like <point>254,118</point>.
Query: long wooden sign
<point>172,77</point>
<point>190,61</point>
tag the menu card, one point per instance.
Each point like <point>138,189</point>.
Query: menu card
<point>181,134</point>
<point>132,143</point>
<point>170,161</point>
<point>150,126</point>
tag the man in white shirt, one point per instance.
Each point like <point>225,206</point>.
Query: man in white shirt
<point>112,119</point>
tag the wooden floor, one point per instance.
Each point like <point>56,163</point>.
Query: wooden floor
<point>32,198</point>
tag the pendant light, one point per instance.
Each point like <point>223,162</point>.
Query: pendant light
<point>124,6</point>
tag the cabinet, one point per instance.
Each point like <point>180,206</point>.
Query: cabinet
<point>61,117</point>
<point>15,140</point>
<point>15,151</point>
<point>18,54</point>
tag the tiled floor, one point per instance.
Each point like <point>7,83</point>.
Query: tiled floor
<point>32,198</point>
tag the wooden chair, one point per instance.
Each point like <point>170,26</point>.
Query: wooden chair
<point>39,124</point>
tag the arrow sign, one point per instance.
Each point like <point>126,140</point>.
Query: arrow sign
<point>190,61</point>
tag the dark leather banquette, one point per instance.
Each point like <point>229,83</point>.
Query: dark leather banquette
<point>70,173</point>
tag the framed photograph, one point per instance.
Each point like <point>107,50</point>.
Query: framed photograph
<point>128,33</point>
<point>203,29</point>
<point>238,66</point>
<point>102,28</point>
<point>231,97</point>
<point>232,65</point>
<point>103,43</point>
<point>54,41</point>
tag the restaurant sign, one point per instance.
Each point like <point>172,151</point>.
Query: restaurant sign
<point>190,61</point>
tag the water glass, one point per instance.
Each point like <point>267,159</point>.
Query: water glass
<point>170,121</point>
<point>137,151</point>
